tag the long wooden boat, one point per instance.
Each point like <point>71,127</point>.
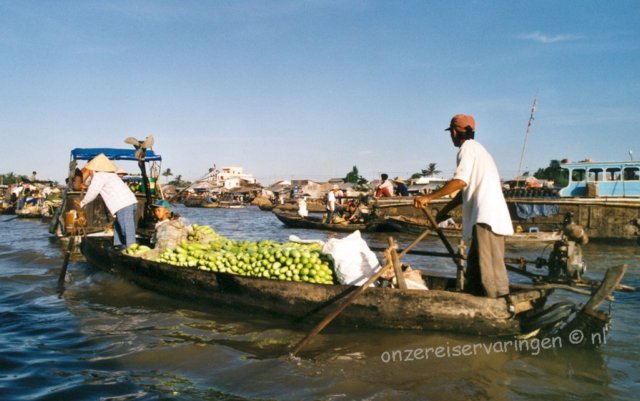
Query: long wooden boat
<point>413,225</point>
<point>436,309</point>
<point>293,219</point>
<point>440,308</point>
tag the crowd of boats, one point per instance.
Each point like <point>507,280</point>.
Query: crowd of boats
<point>595,190</point>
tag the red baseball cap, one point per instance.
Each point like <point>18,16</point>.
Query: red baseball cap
<point>461,121</point>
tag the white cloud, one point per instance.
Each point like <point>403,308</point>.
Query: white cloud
<point>544,38</point>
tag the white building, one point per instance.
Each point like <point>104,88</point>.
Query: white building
<point>425,185</point>
<point>232,177</point>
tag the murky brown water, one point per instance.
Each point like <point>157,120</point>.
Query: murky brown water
<point>110,340</point>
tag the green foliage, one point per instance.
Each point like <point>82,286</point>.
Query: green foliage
<point>553,172</point>
<point>11,178</point>
<point>354,177</point>
<point>178,182</point>
<point>167,173</point>
<point>431,170</point>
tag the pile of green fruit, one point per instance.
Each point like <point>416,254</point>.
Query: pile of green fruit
<point>137,249</point>
<point>206,250</point>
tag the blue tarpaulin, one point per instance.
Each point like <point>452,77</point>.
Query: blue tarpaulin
<point>528,210</point>
<point>112,154</point>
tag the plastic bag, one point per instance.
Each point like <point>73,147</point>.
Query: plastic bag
<point>353,260</point>
<point>414,279</point>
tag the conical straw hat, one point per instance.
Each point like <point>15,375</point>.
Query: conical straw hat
<point>101,163</point>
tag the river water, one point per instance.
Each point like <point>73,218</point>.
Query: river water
<point>106,339</point>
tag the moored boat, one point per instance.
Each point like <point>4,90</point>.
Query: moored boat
<point>414,225</point>
<point>294,220</point>
<point>604,197</point>
<point>42,209</point>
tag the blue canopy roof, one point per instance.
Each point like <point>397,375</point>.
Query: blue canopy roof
<point>112,154</point>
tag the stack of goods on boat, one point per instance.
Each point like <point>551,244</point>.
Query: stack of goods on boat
<point>207,250</point>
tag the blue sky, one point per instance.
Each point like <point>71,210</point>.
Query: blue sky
<point>308,89</point>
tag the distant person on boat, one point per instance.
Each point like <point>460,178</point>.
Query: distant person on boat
<point>353,214</point>
<point>116,195</point>
<point>332,204</point>
<point>401,187</point>
<point>171,229</point>
<point>385,188</point>
<point>485,216</point>
<point>302,207</point>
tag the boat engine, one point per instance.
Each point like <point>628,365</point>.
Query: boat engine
<point>565,261</point>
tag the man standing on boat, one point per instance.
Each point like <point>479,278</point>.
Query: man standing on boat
<point>331,203</point>
<point>485,216</point>
<point>116,195</point>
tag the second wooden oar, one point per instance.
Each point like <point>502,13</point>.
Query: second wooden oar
<point>320,326</point>
<point>65,263</point>
<point>456,259</point>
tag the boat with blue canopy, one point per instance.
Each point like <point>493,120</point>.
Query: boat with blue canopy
<point>95,218</point>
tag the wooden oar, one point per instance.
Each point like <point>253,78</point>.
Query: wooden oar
<point>65,263</point>
<point>397,267</point>
<point>440,233</point>
<point>611,280</point>
<point>318,328</point>
<point>456,259</point>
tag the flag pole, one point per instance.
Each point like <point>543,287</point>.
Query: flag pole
<point>526,135</point>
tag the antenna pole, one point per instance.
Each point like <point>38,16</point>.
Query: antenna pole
<point>526,135</point>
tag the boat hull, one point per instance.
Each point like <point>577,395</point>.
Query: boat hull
<point>418,226</point>
<point>603,219</point>
<point>435,309</point>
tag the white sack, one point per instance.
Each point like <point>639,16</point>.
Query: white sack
<point>354,261</point>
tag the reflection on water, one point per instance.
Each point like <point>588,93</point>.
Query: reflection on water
<point>108,339</point>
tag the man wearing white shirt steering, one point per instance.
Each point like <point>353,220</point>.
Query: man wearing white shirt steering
<point>485,216</point>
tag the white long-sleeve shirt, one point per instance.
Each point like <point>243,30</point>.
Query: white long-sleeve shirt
<point>115,193</point>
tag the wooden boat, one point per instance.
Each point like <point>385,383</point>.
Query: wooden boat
<point>266,207</point>
<point>413,225</point>
<point>194,201</point>
<point>440,308</point>
<point>230,204</point>
<point>212,203</point>
<point>293,219</point>
<point>313,206</point>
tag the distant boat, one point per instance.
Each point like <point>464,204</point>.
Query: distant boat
<point>293,219</point>
<point>417,226</point>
